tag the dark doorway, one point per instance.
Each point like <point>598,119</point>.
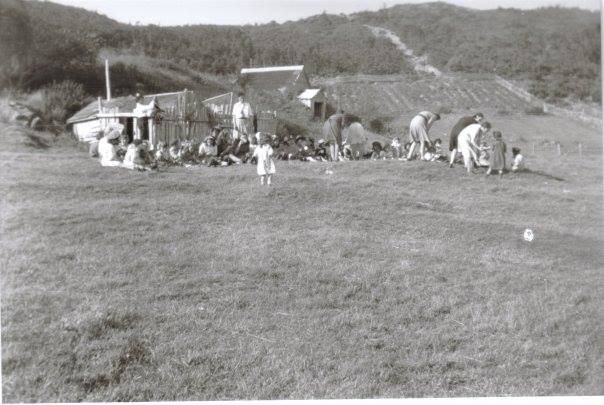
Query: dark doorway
<point>128,128</point>
<point>317,110</point>
<point>145,128</point>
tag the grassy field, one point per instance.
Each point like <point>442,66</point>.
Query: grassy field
<point>383,279</point>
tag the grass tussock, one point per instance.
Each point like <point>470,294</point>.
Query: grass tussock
<point>383,279</point>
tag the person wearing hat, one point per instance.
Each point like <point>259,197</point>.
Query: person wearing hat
<point>265,164</point>
<point>108,149</point>
<point>242,117</point>
<point>497,158</point>
<point>457,128</point>
<point>418,132</point>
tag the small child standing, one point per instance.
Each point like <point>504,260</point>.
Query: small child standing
<point>518,164</point>
<point>263,154</point>
<point>497,158</point>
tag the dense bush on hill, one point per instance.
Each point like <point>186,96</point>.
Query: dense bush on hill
<point>558,49</point>
<point>326,44</point>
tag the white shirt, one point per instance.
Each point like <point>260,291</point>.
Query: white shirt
<point>208,150</point>
<point>130,155</point>
<point>469,136</point>
<point>107,151</point>
<point>242,110</point>
<point>518,162</point>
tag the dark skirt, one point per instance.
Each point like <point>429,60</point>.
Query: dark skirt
<point>457,128</point>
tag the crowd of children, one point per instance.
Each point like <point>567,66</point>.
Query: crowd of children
<point>223,148</point>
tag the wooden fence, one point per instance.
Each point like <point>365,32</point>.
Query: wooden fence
<point>186,118</point>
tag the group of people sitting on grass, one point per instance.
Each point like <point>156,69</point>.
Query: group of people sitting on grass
<point>224,147</point>
<point>113,152</point>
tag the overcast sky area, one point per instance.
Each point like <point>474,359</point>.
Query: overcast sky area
<point>238,12</point>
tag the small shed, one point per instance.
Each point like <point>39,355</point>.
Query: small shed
<point>316,100</point>
<point>281,78</point>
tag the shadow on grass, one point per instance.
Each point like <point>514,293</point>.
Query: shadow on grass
<point>35,141</point>
<point>541,174</point>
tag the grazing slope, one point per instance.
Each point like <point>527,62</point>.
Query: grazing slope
<point>383,279</point>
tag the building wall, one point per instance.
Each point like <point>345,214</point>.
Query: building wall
<point>87,131</point>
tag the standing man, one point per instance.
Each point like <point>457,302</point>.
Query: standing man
<point>468,140</point>
<point>457,128</point>
<point>242,118</point>
<point>418,132</point>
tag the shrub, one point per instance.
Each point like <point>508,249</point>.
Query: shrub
<point>56,102</point>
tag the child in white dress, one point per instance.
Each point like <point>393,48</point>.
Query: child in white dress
<point>263,154</point>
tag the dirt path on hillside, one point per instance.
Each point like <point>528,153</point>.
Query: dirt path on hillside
<point>419,63</point>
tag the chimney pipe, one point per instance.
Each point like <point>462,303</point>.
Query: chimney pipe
<point>107,80</point>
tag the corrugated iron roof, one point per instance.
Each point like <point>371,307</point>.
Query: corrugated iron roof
<point>273,78</point>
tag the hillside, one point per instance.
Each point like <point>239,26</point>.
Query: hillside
<point>556,50</point>
<point>393,94</point>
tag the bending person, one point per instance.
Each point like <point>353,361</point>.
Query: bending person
<point>467,142</point>
<point>332,133</point>
<point>457,128</point>
<point>418,132</point>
